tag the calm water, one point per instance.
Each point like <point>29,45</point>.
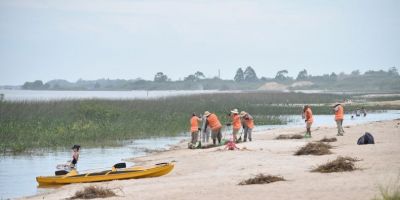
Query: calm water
<point>17,173</point>
<point>40,95</point>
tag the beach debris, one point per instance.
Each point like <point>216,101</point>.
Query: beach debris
<point>325,139</point>
<point>262,179</point>
<point>286,137</point>
<point>92,192</point>
<point>340,164</point>
<point>317,148</point>
<point>367,138</point>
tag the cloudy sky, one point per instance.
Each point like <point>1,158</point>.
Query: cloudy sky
<point>72,39</point>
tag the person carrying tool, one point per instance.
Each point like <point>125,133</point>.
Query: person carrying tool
<point>339,116</point>
<point>309,119</point>
<point>248,125</point>
<point>194,128</point>
<point>236,124</point>
<point>215,126</point>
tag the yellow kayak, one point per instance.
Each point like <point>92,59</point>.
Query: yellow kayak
<point>108,175</point>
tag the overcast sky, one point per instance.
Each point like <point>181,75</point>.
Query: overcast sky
<point>128,39</point>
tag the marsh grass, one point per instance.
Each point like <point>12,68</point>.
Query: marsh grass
<point>286,137</point>
<point>340,164</point>
<point>92,192</point>
<point>317,148</point>
<point>262,179</point>
<point>390,191</point>
<point>27,125</point>
<point>325,139</point>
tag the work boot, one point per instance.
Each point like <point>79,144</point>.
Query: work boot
<point>249,139</point>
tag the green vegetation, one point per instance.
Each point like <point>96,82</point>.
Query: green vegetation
<point>391,191</point>
<point>370,81</point>
<point>50,124</point>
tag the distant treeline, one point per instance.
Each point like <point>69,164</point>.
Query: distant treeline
<point>380,80</point>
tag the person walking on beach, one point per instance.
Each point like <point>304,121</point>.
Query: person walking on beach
<point>248,125</point>
<point>215,126</point>
<point>339,116</point>
<point>309,119</point>
<point>194,128</point>
<point>236,124</point>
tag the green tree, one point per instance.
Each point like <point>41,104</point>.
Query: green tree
<point>303,75</point>
<point>199,75</point>
<point>281,75</point>
<point>393,71</point>
<point>36,85</point>
<point>250,74</point>
<point>191,77</point>
<point>355,73</point>
<point>239,75</point>
<point>160,77</point>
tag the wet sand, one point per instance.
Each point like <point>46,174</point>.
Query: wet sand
<point>215,173</point>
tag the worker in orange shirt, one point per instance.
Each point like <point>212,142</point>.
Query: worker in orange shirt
<point>215,126</point>
<point>339,116</point>
<point>236,124</point>
<point>248,125</point>
<point>194,128</point>
<point>309,119</point>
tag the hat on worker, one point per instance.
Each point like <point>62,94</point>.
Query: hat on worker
<point>243,113</point>
<point>235,111</point>
<point>207,113</point>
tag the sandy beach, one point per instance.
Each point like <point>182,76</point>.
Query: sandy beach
<point>215,173</point>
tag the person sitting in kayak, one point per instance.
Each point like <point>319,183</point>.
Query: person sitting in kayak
<point>75,156</point>
<point>71,164</point>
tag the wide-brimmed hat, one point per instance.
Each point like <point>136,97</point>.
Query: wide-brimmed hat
<point>336,104</point>
<point>207,113</point>
<point>235,111</point>
<point>243,113</point>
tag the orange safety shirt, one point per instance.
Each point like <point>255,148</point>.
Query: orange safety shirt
<point>236,121</point>
<point>213,122</point>
<point>339,114</point>
<point>309,115</point>
<point>194,124</point>
<point>249,122</point>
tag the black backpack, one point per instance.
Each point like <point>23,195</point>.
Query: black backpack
<point>367,138</point>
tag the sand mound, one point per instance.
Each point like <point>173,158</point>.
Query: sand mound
<point>273,86</point>
<point>302,84</point>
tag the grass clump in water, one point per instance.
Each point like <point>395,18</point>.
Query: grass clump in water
<point>286,137</point>
<point>340,164</point>
<point>314,149</point>
<point>262,179</point>
<point>325,139</point>
<point>93,192</point>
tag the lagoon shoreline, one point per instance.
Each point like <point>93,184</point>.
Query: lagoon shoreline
<point>214,173</point>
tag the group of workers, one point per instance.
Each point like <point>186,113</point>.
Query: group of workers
<point>309,119</point>
<point>244,120</point>
<point>211,122</point>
